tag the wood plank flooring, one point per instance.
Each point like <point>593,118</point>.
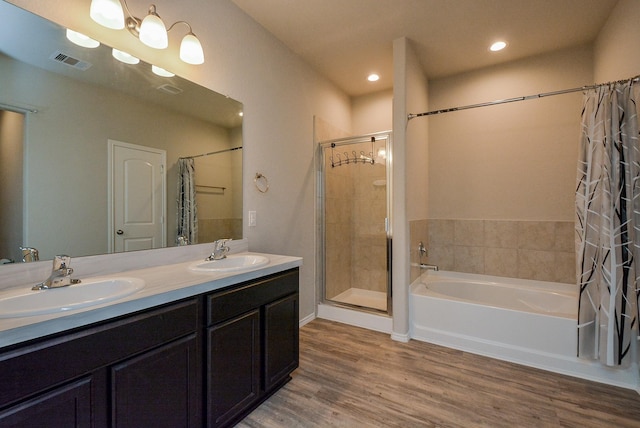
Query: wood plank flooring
<point>352,377</point>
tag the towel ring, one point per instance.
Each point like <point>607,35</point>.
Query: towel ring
<point>261,182</point>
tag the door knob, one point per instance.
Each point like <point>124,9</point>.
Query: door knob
<point>119,232</point>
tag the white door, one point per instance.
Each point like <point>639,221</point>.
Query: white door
<point>138,192</point>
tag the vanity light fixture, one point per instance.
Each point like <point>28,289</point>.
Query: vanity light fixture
<point>82,40</point>
<point>107,13</point>
<point>151,30</point>
<point>498,46</point>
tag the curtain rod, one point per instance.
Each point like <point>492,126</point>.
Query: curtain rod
<point>512,100</point>
<point>211,153</point>
<point>17,109</point>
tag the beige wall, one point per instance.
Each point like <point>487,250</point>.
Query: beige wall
<point>281,95</point>
<point>410,145</point>
<point>616,49</point>
<point>372,113</point>
<point>512,161</point>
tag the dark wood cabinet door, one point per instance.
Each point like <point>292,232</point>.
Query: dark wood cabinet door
<point>233,358</point>
<point>281,340</point>
<point>67,406</point>
<point>159,388</point>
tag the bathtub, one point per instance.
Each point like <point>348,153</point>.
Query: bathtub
<point>522,321</point>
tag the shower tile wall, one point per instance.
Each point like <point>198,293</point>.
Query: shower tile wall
<point>355,209</point>
<point>210,229</point>
<point>338,229</point>
<point>541,250</point>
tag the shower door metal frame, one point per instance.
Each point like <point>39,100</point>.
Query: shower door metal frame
<point>322,145</point>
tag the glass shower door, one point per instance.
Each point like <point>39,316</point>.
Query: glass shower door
<point>355,199</point>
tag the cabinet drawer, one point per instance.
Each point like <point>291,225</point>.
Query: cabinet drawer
<point>43,364</point>
<point>238,300</point>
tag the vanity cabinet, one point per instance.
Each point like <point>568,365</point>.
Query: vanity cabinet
<point>141,370</point>
<point>203,361</point>
<point>252,345</point>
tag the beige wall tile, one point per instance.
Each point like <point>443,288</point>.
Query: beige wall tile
<point>565,236</point>
<point>441,256</point>
<point>536,235</point>
<point>468,232</point>
<point>565,267</point>
<point>440,232</point>
<point>541,250</point>
<point>501,262</point>
<point>534,264</point>
<point>468,259</point>
<point>501,234</point>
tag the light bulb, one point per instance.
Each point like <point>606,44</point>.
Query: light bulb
<point>124,57</point>
<point>153,33</point>
<point>107,13</point>
<point>82,40</point>
<point>161,71</point>
<point>191,50</point>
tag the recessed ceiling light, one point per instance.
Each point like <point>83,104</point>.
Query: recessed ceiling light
<point>498,46</point>
<point>373,77</point>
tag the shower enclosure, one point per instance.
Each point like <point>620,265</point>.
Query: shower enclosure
<point>355,220</point>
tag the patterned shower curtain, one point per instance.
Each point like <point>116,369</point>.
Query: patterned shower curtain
<point>608,223</point>
<point>187,209</point>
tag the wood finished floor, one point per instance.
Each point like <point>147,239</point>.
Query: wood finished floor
<point>352,377</point>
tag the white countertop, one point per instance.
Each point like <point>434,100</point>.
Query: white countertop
<point>163,284</point>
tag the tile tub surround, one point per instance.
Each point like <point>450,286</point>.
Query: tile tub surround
<point>540,250</point>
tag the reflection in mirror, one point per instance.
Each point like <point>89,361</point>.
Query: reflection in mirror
<point>62,106</point>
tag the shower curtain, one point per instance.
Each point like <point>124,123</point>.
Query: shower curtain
<point>608,223</point>
<point>187,209</point>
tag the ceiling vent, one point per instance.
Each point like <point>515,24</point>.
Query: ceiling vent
<point>169,89</point>
<point>62,57</point>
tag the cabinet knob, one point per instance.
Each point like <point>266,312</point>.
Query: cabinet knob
<point>119,232</point>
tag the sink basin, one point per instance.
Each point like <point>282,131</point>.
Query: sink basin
<point>24,303</point>
<point>234,262</point>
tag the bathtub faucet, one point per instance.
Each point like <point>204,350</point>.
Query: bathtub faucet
<point>428,267</point>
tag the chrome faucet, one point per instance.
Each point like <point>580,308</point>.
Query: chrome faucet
<point>220,250</point>
<point>60,275</point>
<point>422,252</point>
<point>29,254</point>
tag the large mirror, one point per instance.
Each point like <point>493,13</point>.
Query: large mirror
<point>67,115</point>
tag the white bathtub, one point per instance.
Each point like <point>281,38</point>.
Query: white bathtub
<point>526,322</point>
